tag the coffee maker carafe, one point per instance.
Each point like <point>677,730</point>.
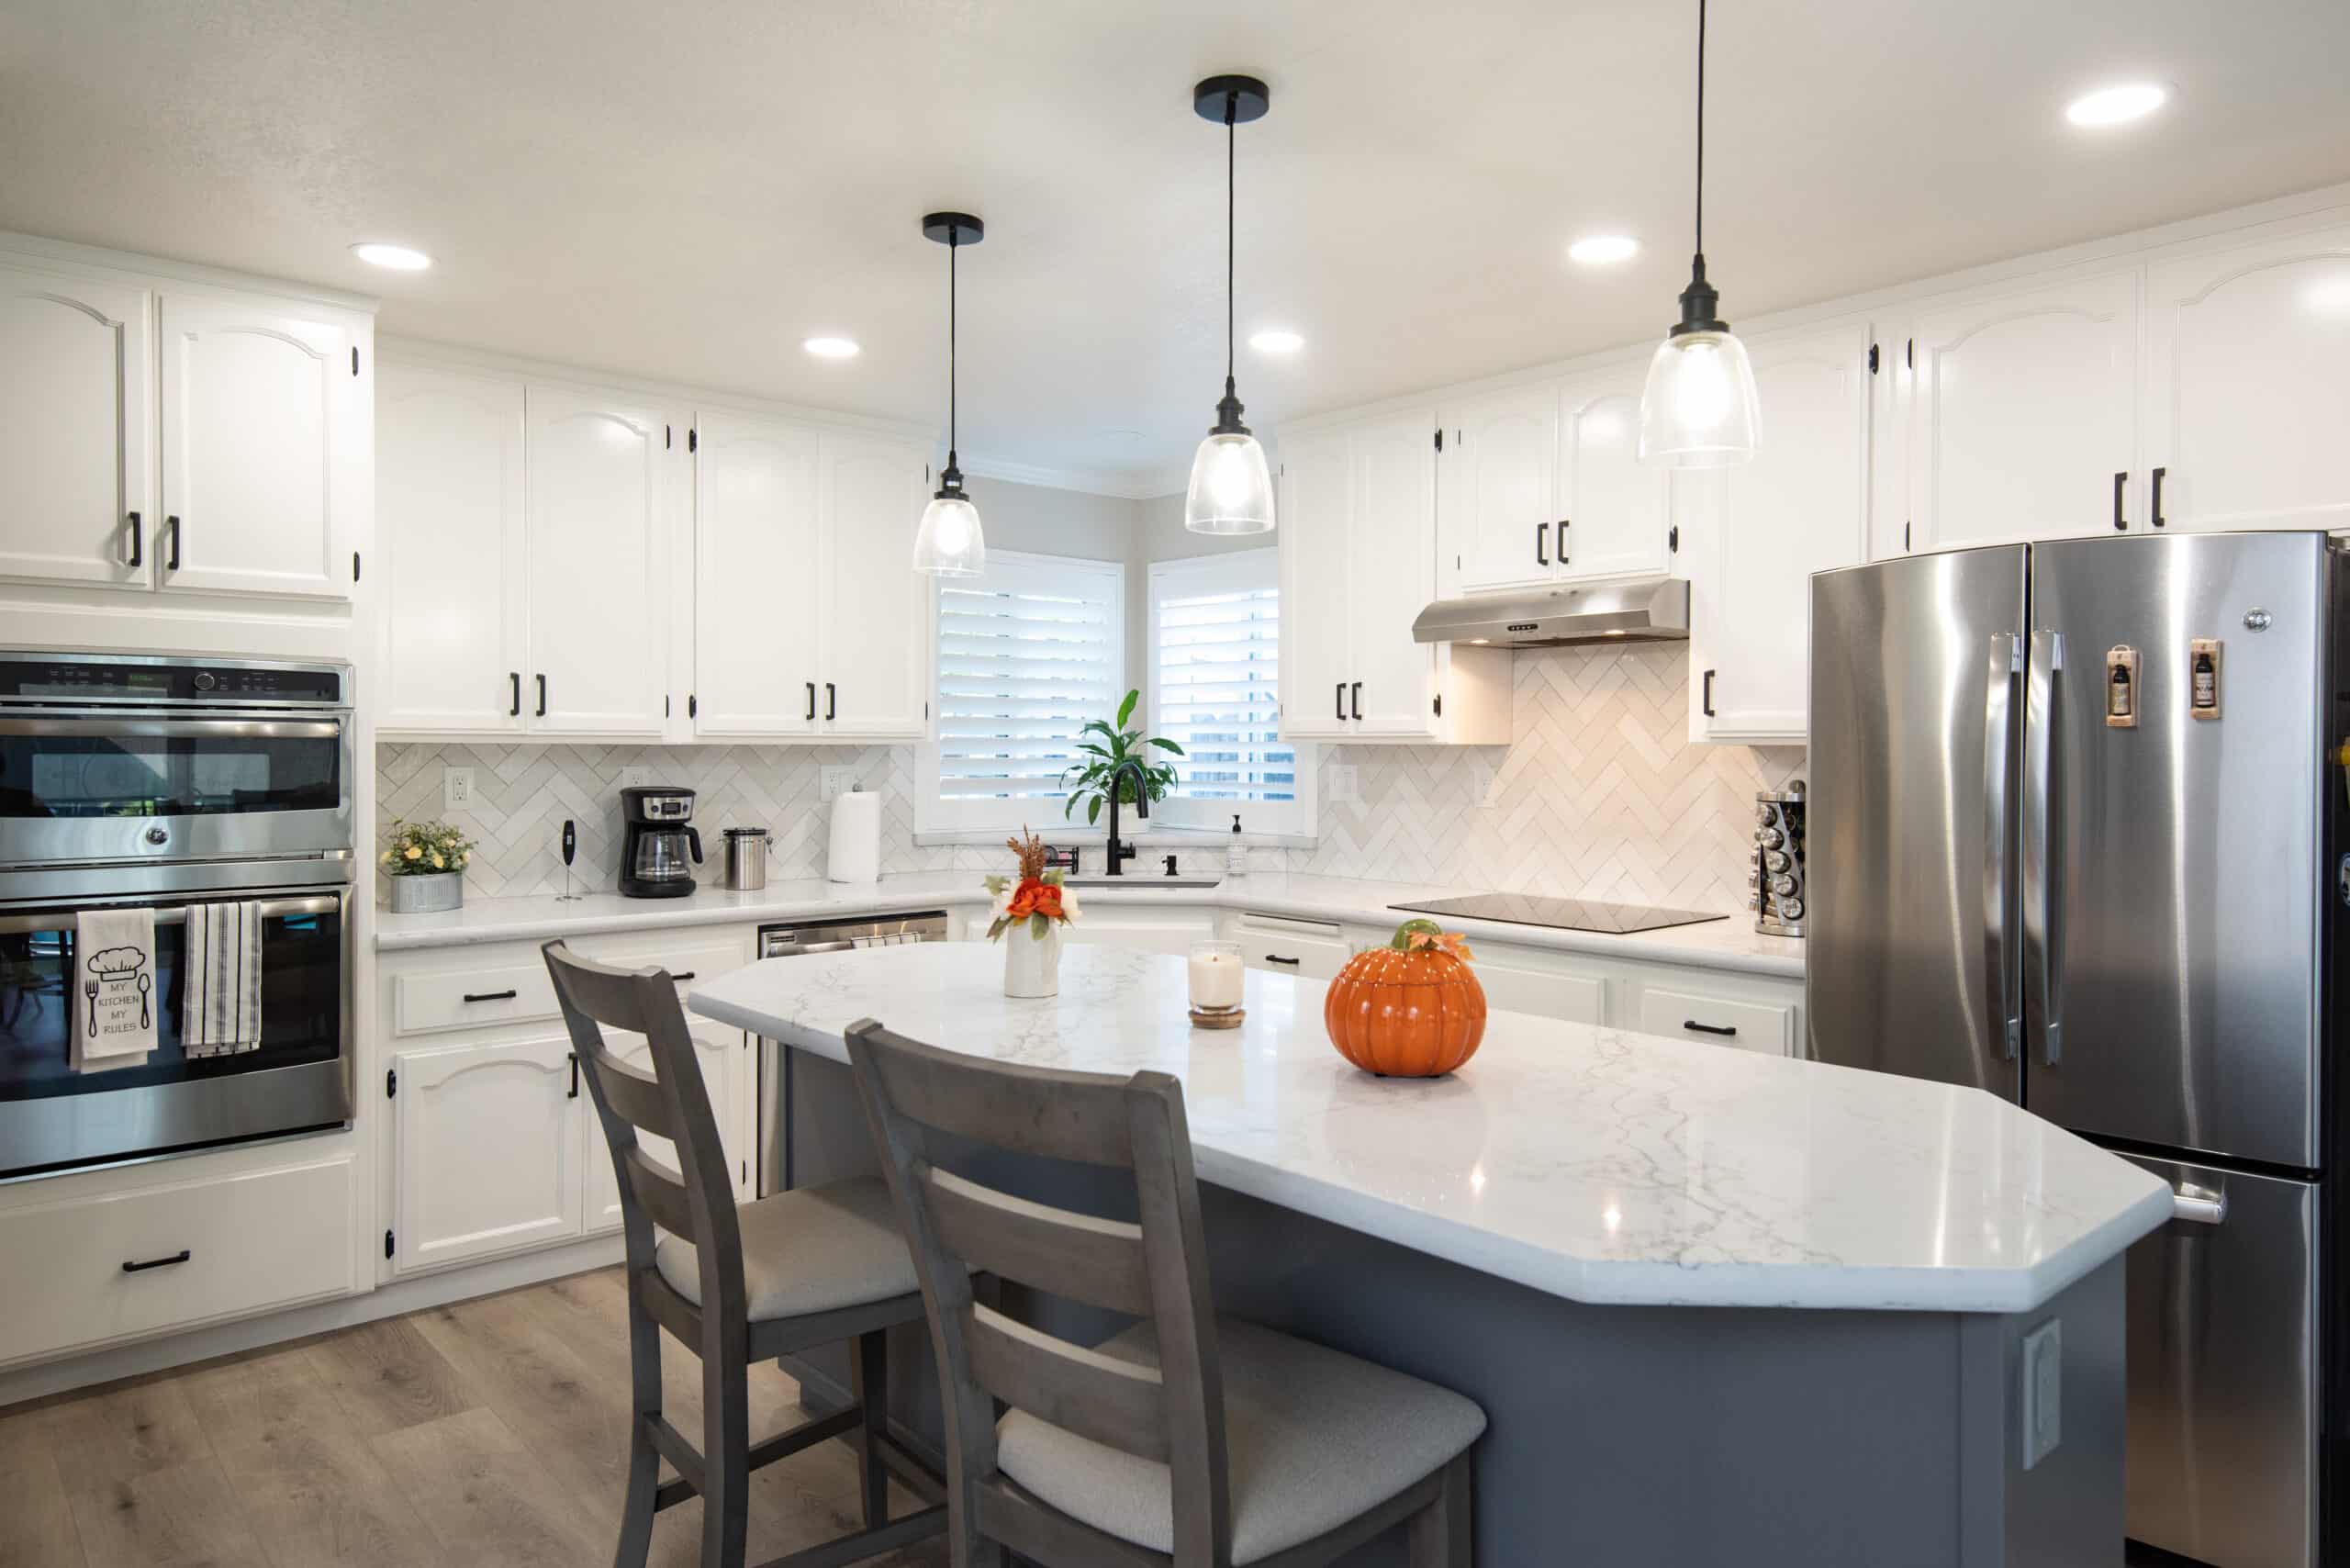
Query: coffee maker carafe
<point>658,857</point>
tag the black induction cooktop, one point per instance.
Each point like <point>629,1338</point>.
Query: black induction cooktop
<point>1565,914</point>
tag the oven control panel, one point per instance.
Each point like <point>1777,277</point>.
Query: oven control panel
<point>53,680</point>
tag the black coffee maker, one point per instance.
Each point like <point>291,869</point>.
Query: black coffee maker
<point>660,852</point>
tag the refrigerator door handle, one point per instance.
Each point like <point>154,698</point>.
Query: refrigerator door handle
<point>1999,888</point>
<point>2039,936</point>
<point>2201,1205</point>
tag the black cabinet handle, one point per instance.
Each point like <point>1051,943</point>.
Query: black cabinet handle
<point>138,542</point>
<point>832,702</point>
<point>543,698</point>
<point>1277,959</point>
<point>1171,865</point>
<point>182,1256</point>
<point>683,977</point>
<point>1541,538</point>
<point>1562,541</point>
<point>514,697</point>
<point>2158,500</point>
<point>2120,482</point>
<point>489,996</point>
<point>172,562</point>
<point>1705,701</point>
<point>812,701</point>
<point>1341,689</point>
<point>575,1077</point>
<point>1724,1030</point>
<point>693,706</point>
<point>1358,700</point>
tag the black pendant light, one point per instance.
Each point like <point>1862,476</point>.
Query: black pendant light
<point>949,544</point>
<point>1231,489</point>
<point>1698,409</point>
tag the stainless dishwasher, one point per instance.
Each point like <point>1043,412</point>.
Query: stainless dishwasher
<point>800,939</point>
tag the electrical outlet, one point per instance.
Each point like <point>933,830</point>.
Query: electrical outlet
<point>456,787</point>
<point>636,777</point>
<point>1341,776</point>
<point>834,778</point>
<point>2043,1380</point>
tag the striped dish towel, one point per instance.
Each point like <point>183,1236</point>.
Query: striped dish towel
<point>221,980</point>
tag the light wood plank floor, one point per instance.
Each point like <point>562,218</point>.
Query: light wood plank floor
<point>492,1431</point>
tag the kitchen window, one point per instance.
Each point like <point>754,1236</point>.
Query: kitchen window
<point>1216,690</point>
<point>1028,651</point>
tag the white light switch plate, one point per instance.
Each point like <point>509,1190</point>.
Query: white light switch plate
<point>456,787</point>
<point>1341,776</point>
<point>834,778</point>
<point>2043,1380</point>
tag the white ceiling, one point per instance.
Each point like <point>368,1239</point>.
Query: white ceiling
<point>686,192</point>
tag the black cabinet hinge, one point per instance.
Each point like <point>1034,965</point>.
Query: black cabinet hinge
<point>665,437</point>
<point>1872,359</point>
<point>387,1244</point>
<point>1439,440</point>
<point>665,704</point>
<point>1905,536</point>
<point>354,359</point>
<point>354,565</point>
<point>693,441</point>
<point>391,1082</point>
<point>1672,539</point>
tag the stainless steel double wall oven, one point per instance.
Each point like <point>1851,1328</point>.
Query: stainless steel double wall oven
<point>163,783</point>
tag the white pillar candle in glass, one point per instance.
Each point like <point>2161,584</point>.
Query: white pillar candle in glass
<point>1216,974</point>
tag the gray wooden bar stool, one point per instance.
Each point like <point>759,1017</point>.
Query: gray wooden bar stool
<point>799,1270</point>
<point>1186,1441</point>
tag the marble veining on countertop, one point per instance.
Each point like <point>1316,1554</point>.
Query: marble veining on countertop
<point>1731,943</point>
<point>1588,1162</point>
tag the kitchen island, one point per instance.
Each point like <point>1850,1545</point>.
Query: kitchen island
<point>1719,1306</point>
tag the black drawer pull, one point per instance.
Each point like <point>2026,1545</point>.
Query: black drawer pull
<point>812,701</point>
<point>173,565</point>
<point>543,698</point>
<point>182,1256</point>
<point>683,977</point>
<point>832,703</point>
<point>1724,1030</point>
<point>489,996</point>
<point>1277,959</point>
<point>514,707</point>
<point>138,543</point>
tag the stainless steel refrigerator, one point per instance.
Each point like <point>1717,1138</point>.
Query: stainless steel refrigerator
<point>2077,838</point>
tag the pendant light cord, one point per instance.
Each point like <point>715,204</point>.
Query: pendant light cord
<point>1701,126</point>
<point>954,244</point>
<point>1231,141</point>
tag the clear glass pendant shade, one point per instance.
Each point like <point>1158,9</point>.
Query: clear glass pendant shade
<point>1699,408</point>
<point>949,543</point>
<point>1231,491</point>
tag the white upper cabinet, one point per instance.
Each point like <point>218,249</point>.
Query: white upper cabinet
<point>874,626</point>
<point>76,429</point>
<point>1358,545</point>
<point>2247,385</point>
<point>1612,508</point>
<point>598,604</point>
<point>757,599</point>
<point>252,401</point>
<point>2023,415</point>
<point>1498,497</point>
<point>1761,529</point>
<point>449,505</point>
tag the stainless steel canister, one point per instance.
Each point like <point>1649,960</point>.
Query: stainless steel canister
<point>746,859</point>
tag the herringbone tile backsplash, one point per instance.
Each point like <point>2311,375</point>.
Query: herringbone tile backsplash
<point>1601,795</point>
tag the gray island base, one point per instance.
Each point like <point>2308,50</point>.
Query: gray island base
<point>1700,1337</point>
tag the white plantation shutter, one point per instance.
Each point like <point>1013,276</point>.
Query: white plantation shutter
<point>1216,692</point>
<point>1028,651</point>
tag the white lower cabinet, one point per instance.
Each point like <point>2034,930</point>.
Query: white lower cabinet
<point>1281,945</point>
<point>728,1074</point>
<point>182,1251</point>
<point>1158,930</point>
<point>1517,982</point>
<point>1713,1019</point>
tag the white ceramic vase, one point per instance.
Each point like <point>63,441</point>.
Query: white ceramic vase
<point>1032,964</point>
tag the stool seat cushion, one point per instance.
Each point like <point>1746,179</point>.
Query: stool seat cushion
<point>810,1249</point>
<point>1315,1437</point>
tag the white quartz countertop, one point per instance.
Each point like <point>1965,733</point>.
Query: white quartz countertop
<point>1591,1163</point>
<point>1728,944</point>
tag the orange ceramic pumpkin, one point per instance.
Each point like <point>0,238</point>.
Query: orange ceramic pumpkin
<point>1405,1015</point>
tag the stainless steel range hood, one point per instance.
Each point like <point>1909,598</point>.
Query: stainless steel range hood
<point>1653,610</point>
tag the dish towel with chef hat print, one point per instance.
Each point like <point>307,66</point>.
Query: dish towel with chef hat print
<point>114,977</point>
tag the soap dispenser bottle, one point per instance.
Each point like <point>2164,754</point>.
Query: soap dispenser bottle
<point>1235,854</point>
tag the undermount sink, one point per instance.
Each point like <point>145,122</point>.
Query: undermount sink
<point>1136,882</point>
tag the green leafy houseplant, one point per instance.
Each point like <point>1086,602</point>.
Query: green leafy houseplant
<point>1116,747</point>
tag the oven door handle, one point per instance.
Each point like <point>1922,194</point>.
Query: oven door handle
<point>236,728</point>
<point>176,914</point>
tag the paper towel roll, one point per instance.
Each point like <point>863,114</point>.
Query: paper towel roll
<point>856,852</point>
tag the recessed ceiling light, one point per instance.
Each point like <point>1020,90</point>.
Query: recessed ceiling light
<point>2116,106</point>
<point>1274,339</point>
<point>399,258</point>
<point>1603,249</point>
<point>832,348</point>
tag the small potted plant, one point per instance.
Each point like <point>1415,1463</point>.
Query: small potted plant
<point>1114,747</point>
<point>1030,909</point>
<point>426,862</point>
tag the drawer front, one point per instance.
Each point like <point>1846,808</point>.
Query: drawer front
<point>687,966</point>
<point>472,999</point>
<point>1578,999</point>
<point>255,1241</point>
<point>1713,1020</point>
<point>1311,949</point>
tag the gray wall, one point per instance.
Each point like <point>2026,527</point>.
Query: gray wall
<point>1045,521</point>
